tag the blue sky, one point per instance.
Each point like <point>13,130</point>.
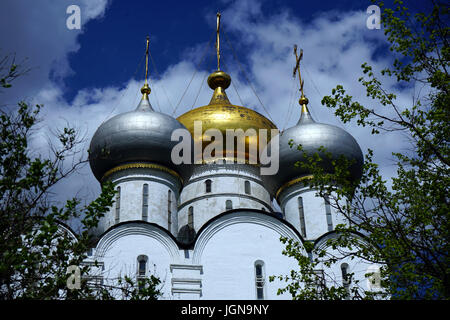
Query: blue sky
<point>113,45</point>
<point>84,77</point>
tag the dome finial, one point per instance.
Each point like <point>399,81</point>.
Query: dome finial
<point>218,40</point>
<point>303,101</point>
<point>219,80</point>
<point>145,90</point>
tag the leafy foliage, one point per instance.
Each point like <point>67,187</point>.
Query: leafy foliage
<point>403,227</point>
<point>37,248</point>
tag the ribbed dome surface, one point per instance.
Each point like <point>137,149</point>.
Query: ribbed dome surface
<point>220,114</point>
<point>312,135</point>
<point>142,135</point>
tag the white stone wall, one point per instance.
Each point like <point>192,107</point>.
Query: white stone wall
<point>228,249</point>
<point>226,184</point>
<point>121,246</point>
<point>220,266</point>
<point>131,182</point>
<point>314,210</point>
<point>358,267</point>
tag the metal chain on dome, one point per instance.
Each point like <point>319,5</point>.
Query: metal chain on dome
<point>154,93</point>
<point>314,85</point>
<point>159,76</point>
<point>312,81</point>
<point>136,97</point>
<point>199,90</point>
<point>235,88</point>
<point>320,95</point>
<point>291,103</point>
<point>195,72</point>
<point>245,75</point>
<point>125,90</point>
<point>147,75</point>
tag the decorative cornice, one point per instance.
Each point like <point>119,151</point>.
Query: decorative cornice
<point>227,175</point>
<point>241,168</point>
<point>186,267</point>
<point>228,161</point>
<point>290,183</point>
<point>141,165</point>
<point>290,196</point>
<point>225,195</point>
<point>114,232</point>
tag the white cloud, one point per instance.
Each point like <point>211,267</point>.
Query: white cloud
<point>335,45</point>
<point>38,32</point>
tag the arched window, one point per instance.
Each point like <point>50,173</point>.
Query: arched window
<point>259,279</point>
<point>191,217</point>
<point>228,205</point>
<point>145,202</point>
<point>346,277</point>
<point>328,213</point>
<point>169,210</point>
<point>208,185</point>
<point>118,205</point>
<point>301,213</point>
<point>141,270</point>
<point>142,265</point>
<point>247,187</point>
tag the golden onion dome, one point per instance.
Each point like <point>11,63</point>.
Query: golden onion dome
<point>222,115</point>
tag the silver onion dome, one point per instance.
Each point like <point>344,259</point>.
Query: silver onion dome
<point>142,135</point>
<point>312,135</point>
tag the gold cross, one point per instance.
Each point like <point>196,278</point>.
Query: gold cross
<point>146,89</point>
<point>297,68</point>
<point>218,41</point>
<point>146,60</point>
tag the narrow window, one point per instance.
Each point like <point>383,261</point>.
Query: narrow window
<point>301,212</point>
<point>142,265</point>
<point>349,212</point>
<point>141,270</point>
<point>228,205</point>
<point>208,185</point>
<point>169,210</point>
<point>247,187</point>
<point>191,217</point>
<point>118,205</point>
<point>259,280</point>
<point>145,202</point>
<point>346,277</point>
<point>328,212</point>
